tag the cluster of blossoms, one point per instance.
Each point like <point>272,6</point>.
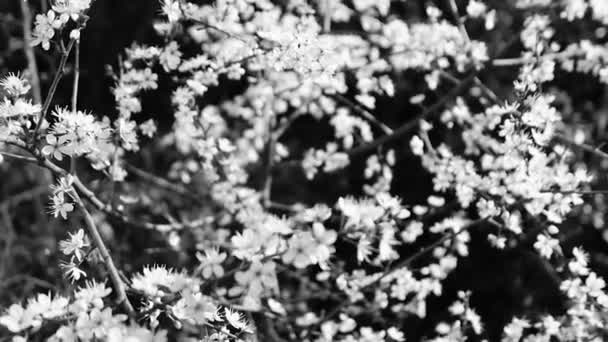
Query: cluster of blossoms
<point>62,13</point>
<point>507,168</point>
<point>84,317</point>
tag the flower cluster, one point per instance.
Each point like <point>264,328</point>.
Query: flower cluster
<point>56,19</point>
<point>356,265</point>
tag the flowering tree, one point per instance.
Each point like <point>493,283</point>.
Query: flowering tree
<point>256,256</point>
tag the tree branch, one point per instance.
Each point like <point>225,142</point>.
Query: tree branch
<point>119,286</point>
<point>29,51</point>
<point>54,84</point>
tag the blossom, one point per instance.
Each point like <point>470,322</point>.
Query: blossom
<point>579,264</point>
<point>195,307</point>
<point>135,333</point>
<point>72,271</point>
<point>92,294</point>
<point>172,10</point>
<point>44,30</point>
<point>594,284</point>
<point>325,239</point>
<point>476,8</point>
<point>417,145</point>
<point>18,108</point>
<point>259,277</point>
<point>97,324</point>
<point>546,245</point>
<point>71,8</point>
<point>158,281</point>
<point>515,329</point>
<point>301,249</point>
<point>211,263</point>
<point>74,245</point>
<point>54,146</point>
<point>236,319</point>
<point>14,85</point>
<point>148,128</point>
<point>246,244</point>
<point>60,207</point>
<point>17,318</point>
<point>359,213</point>
<point>47,307</point>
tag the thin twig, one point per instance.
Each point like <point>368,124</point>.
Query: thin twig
<point>533,59</point>
<point>266,191</point>
<point>581,146</point>
<point>575,192</point>
<point>54,84</point>
<point>412,124</point>
<point>162,182</point>
<point>29,51</point>
<point>19,157</point>
<point>99,204</point>
<point>119,286</point>
<point>458,19</point>
<point>76,77</point>
<point>361,110</point>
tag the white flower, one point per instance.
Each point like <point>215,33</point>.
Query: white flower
<point>417,145</point>
<point>325,239</point>
<point>17,318</point>
<point>258,277</point>
<point>395,334</point>
<point>546,245</point>
<point>72,271</point>
<point>195,308</point>
<point>60,207</point>
<point>92,294</point>
<point>594,285</point>
<point>246,244</point>
<point>362,213</point>
<point>172,10</point>
<point>47,307</point>
<point>54,146</point>
<point>71,8</point>
<point>148,128</point>
<point>236,319</point>
<point>551,325</point>
<point>75,244</point>
<point>15,85</point>
<point>211,263</point>
<point>45,29</point>
<point>574,9</point>
<point>302,248</point>
<point>476,9</point>
<point>159,281</point>
<point>579,264</point>
<point>515,329</point>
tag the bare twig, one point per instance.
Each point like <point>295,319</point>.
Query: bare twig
<point>119,286</point>
<point>581,146</point>
<point>54,84</point>
<point>505,62</point>
<point>266,191</point>
<point>29,51</point>
<point>162,182</point>
<point>18,157</point>
<point>412,124</point>
<point>364,112</point>
<point>76,77</point>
